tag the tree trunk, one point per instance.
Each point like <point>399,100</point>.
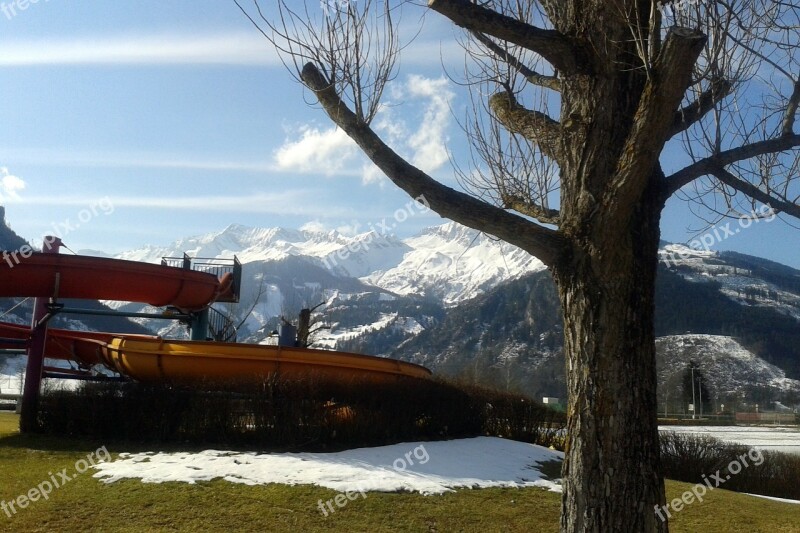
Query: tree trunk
<point>612,470</point>
<point>304,328</point>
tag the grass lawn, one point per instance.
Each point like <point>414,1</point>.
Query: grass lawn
<point>85,504</point>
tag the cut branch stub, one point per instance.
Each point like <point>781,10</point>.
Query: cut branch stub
<point>533,125</point>
<point>531,209</point>
<point>791,110</point>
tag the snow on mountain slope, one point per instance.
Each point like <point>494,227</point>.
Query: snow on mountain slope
<point>329,338</point>
<point>726,364</point>
<point>739,283</point>
<point>355,256</point>
<point>448,262</point>
<point>250,244</point>
<point>454,263</point>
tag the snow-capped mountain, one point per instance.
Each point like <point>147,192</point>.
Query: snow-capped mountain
<point>448,263</point>
<point>747,280</point>
<point>346,256</point>
<point>454,263</point>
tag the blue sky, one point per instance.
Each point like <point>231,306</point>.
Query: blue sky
<point>180,114</point>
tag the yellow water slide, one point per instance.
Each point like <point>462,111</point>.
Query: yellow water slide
<point>150,358</point>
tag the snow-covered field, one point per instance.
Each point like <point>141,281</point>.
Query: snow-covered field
<point>424,467</point>
<point>783,439</point>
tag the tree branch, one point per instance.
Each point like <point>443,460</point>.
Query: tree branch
<point>662,93</point>
<point>546,244</point>
<point>553,46</point>
<point>526,207</point>
<point>685,117</point>
<point>710,164</point>
<point>754,192</point>
<point>791,110</point>
<point>533,125</point>
<point>549,82</point>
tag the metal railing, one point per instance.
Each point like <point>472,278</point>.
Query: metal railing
<point>220,326</point>
<point>211,265</point>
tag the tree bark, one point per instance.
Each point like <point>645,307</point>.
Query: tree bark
<point>612,471</point>
<point>303,328</point>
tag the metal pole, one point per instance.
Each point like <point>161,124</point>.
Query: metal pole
<point>694,405</point>
<point>200,325</point>
<point>103,312</point>
<point>33,373</point>
<point>700,392</point>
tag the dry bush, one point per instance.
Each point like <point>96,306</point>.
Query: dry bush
<point>311,413</point>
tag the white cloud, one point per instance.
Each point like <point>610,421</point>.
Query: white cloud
<point>317,151</point>
<point>371,174</point>
<point>351,230</point>
<point>314,226</point>
<point>423,144</point>
<point>300,202</point>
<point>10,185</point>
<point>168,49</point>
<point>61,157</point>
<point>392,128</point>
<point>429,143</point>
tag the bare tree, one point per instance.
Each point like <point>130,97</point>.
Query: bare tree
<point>308,324</point>
<point>234,315</point>
<point>715,82</point>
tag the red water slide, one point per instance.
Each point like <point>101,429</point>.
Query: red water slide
<point>97,278</point>
<point>150,358</point>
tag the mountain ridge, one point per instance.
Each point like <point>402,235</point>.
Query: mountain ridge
<point>467,305</point>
